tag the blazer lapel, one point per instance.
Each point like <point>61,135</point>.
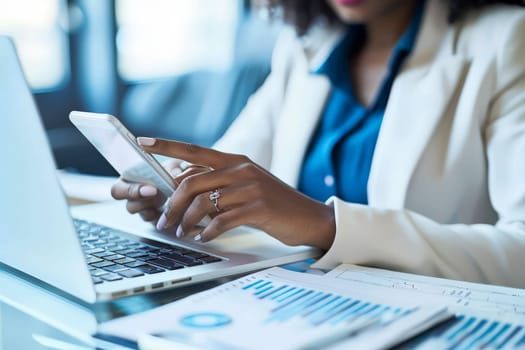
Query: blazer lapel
<point>300,114</point>
<point>419,99</point>
<point>417,105</point>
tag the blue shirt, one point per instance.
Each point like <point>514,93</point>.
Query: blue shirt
<point>338,159</point>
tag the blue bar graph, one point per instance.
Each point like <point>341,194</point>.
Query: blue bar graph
<point>316,307</point>
<point>323,308</point>
<point>508,338</point>
<point>496,336</point>
<point>253,284</point>
<point>286,291</point>
<point>271,291</point>
<point>521,342</point>
<point>473,333</point>
<point>322,316</point>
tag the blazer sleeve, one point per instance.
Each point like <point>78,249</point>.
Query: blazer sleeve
<point>406,241</point>
<point>252,131</point>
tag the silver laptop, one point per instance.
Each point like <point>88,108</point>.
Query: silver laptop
<point>97,252</point>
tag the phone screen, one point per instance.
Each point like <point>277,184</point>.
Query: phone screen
<point>128,159</point>
<point>115,147</point>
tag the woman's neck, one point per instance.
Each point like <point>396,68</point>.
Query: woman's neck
<point>384,31</point>
<point>369,65</point>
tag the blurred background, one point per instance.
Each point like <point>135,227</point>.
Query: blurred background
<point>180,69</point>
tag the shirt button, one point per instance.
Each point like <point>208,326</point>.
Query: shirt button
<point>329,180</point>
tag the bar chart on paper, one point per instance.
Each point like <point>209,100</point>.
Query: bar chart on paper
<point>317,308</point>
<point>471,332</point>
<point>488,317</point>
<point>292,310</point>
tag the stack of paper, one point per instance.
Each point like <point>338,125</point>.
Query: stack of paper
<point>277,308</point>
<point>487,316</point>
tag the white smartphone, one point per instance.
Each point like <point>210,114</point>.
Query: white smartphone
<point>121,150</point>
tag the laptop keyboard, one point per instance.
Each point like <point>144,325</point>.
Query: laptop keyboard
<point>112,256</point>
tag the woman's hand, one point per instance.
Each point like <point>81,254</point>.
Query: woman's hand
<point>248,195</point>
<point>147,200</point>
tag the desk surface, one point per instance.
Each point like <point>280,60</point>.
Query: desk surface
<point>32,316</point>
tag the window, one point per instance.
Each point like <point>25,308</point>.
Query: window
<point>164,37</point>
<point>37,29</point>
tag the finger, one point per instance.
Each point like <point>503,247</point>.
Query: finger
<point>172,166</point>
<point>202,205</point>
<point>191,187</point>
<point>127,190</point>
<point>189,152</point>
<point>226,221</point>
<point>135,206</point>
<point>191,170</point>
<point>150,215</point>
<point>197,210</point>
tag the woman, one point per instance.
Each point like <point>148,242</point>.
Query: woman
<point>406,117</point>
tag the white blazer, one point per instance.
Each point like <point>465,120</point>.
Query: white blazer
<point>447,185</point>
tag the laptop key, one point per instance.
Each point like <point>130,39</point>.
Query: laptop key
<point>196,255</point>
<point>150,249</point>
<point>167,264</point>
<point>115,268</point>
<point>183,251</point>
<point>210,259</point>
<point>94,250</point>
<point>136,264</point>
<point>97,272</point>
<point>103,254</point>
<point>92,259</point>
<point>130,273</point>
<point>135,245</point>
<point>182,259</point>
<point>124,260</point>
<point>97,280</point>
<point>136,254</point>
<point>123,241</point>
<point>99,243</point>
<point>104,233</point>
<point>102,264</point>
<point>94,228</point>
<point>150,269</point>
<point>124,251</point>
<point>148,257</point>
<point>114,257</point>
<point>111,277</point>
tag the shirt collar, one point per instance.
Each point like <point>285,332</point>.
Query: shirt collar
<point>337,60</point>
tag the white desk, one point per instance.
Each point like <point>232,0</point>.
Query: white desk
<point>33,317</point>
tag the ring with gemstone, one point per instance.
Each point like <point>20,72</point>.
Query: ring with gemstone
<point>214,198</point>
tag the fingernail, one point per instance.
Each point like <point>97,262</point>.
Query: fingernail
<point>147,191</point>
<point>175,172</point>
<point>146,141</point>
<point>184,165</point>
<point>179,233</point>
<point>162,222</point>
<point>197,238</point>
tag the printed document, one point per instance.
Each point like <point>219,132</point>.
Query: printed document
<point>282,309</point>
